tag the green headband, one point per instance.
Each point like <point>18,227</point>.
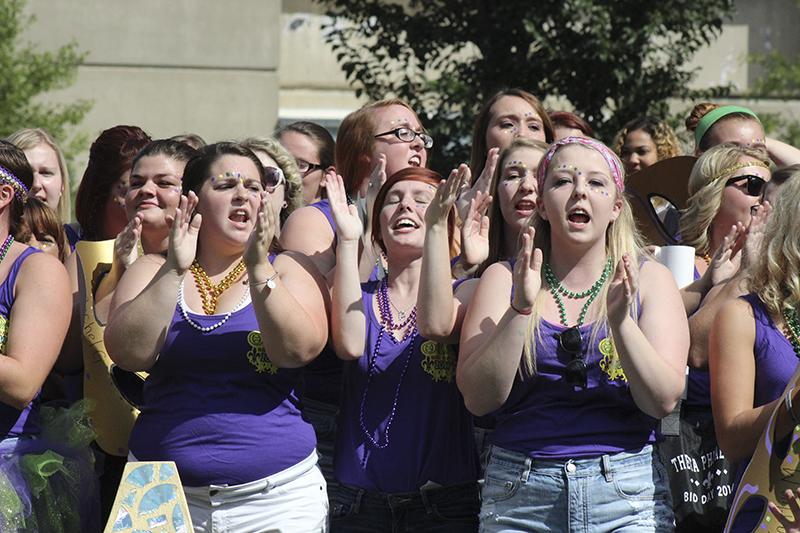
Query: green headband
<point>710,118</point>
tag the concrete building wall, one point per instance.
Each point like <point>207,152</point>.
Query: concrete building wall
<point>201,66</point>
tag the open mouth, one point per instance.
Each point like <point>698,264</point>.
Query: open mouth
<point>415,161</point>
<point>240,216</point>
<point>404,224</point>
<point>579,216</point>
<point>525,206</point>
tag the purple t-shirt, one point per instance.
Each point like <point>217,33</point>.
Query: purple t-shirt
<point>413,388</point>
<point>217,406</point>
<point>546,417</point>
<point>698,387</point>
<point>322,378</point>
<point>15,423</point>
<point>775,363</point>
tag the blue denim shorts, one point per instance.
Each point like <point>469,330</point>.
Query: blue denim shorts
<point>623,492</point>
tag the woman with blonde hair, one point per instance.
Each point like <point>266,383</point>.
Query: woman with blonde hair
<point>755,344</point>
<point>578,345</point>
<point>283,178</point>
<point>50,173</point>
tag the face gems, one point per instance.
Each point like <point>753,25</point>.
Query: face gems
<point>250,184</point>
<point>570,168</point>
<point>516,163</point>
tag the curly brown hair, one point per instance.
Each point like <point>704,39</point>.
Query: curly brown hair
<point>667,144</point>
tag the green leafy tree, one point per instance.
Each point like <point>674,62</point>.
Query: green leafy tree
<point>28,74</point>
<point>613,60</point>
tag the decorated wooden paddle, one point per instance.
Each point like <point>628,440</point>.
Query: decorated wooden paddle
<point>768,475</point>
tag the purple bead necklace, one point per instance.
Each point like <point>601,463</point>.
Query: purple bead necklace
<point>5,247</point>
<point>387,322</point>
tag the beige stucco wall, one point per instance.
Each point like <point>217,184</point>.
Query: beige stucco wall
<point>202,66</point>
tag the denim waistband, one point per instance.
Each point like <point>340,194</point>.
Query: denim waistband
<point>604,464</point>
<point>216,494</point>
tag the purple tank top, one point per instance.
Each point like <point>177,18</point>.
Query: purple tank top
<point>15,423</point>
<point>775,363</point>
<point>322,378</point>
<point>698,387</point>
<point>546,417</point>
<point>413,391</point>
<point>217,406</point>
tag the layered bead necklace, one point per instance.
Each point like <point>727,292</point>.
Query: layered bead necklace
<point>558,290</point>
<point>792,323</point>
<point>6,246</point>
<point>388,326</point>
<point>209,292</point>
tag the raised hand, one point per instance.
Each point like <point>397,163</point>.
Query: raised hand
<point>622,291</point>
<point>184,227</point>
<point>376,180</point>
<point>348,224</point>
<point>475,230</point>
<point>125,249</point>
<point>445,197</point>
<point>256,254</point>
<point>527,275</point>
<point>789,525</point>
<point>725,261</point>
<point>483,183</point>
<point>755,234</point>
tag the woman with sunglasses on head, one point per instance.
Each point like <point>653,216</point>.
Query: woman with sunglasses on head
<point>754,348</point>
<point>314,150</point>
<point>405,454</point>
<point>223,358</point>
<point>578,346</point>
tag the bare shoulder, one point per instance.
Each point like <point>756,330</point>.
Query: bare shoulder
<point>306,229</point>
<point>42,266</point>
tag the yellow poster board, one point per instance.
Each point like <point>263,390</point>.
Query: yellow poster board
<point>150,498</point>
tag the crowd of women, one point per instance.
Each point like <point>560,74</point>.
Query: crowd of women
<point>329,336</point>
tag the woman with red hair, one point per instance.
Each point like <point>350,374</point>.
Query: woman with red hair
<point>405,454</point>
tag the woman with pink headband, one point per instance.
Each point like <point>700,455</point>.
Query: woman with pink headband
<point>578,346</point>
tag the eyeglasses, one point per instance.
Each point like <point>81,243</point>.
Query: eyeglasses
<point>755,184</point>
<point>571,342</point>
<point>273,178</point>
<point>307,168</point>
<point>408,135</point>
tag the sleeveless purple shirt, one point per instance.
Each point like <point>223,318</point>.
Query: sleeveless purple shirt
<point>217,406</point>
<point>15,423</point>
<point>775,363</point>
<point>322,378</point>
<point>545,417</point>
<point>415,426</point>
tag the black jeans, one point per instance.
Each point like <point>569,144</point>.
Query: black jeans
<point>452,509</point>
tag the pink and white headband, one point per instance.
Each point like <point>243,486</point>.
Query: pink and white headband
<point>614,164</point>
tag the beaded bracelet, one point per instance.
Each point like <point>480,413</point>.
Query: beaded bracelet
<point>788,403</point>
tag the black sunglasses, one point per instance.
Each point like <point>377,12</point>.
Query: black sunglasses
<point>571,342</point>
<point>755,184</point>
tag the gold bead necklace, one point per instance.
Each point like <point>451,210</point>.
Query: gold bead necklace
<point>210,293</point>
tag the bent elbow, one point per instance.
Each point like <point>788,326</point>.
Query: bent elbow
<point>434,332</point>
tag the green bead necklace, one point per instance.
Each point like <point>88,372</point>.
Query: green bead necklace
<point>793,325</point>
<point>557,290</point>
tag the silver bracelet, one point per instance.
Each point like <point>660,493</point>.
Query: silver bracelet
<point>269,282</point>
<point>788,402</point>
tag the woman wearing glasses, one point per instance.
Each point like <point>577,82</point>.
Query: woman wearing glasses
<point>373,142</point>
<point>281,177</point>
<point>313,149</point>
<point>567,345</point>
<point>753,353</point>
<point>223,358</point>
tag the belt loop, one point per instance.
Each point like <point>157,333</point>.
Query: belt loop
<point>527,471</point>
<point>608,473</point>
<point>357,501</point>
